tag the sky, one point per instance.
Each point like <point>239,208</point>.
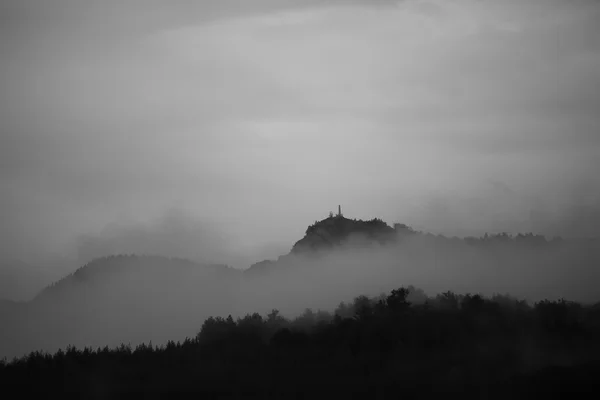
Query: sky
<point>235,124</point>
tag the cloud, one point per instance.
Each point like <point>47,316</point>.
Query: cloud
<point>179,234</point>
<point>244,112</point>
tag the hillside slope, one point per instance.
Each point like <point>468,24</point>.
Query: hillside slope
<point>119,299</point>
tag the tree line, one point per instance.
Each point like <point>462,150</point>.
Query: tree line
<point>402,343</point>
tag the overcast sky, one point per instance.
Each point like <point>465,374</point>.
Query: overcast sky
<point>255,118</point>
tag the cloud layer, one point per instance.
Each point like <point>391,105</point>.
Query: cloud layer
<point>453,116</point>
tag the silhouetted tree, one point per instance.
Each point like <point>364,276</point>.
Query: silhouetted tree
<point>363,307</point>
<point>383,346</point>
<point>397,301</point>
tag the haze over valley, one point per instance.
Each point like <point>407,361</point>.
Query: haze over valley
<point>150,298</point>
<point>320,171</point>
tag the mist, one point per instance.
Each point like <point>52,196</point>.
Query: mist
<point>179,234</point>
<point>133,299</point>
<point>215,133</point>
<point>455,117</point>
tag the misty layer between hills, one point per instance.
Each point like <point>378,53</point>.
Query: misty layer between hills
<point>134,299</point>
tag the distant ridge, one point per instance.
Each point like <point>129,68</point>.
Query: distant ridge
<point>327,234</point>
<point>337,230</point>
<point>103,268</point>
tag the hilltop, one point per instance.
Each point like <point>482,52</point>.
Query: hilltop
<point>336,230</point>
<point>137,269</point>
<point>332,232</point>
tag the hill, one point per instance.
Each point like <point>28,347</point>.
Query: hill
<point>144,271</point>
<point>337,230</point>
<point>119,298</point>
<point>328,234</point>
<point>468,346</point>
<point>20,281</point>
<point>151,298</point>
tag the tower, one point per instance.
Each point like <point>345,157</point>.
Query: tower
<point>339,210</point>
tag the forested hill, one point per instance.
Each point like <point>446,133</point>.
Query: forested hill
<point>328,234</point>
<point>338,231</point>
<point>386,347</point>
<point>335,230</point>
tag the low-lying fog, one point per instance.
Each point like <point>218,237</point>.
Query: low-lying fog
<point>133,299</point>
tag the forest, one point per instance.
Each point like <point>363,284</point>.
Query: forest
<point>397,345</point>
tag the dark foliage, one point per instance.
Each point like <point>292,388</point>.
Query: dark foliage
<point>382,347</point>
<point>335,230</point>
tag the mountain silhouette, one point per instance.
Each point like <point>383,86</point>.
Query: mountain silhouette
<point>333,232</point>
<point>336,230</point>
<point>105,271</point>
